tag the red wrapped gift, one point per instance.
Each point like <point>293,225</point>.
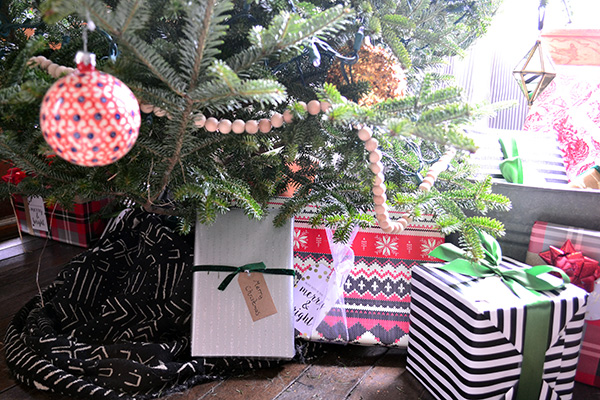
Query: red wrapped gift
<point>545,238</point>
<point>582,270</point>
<point>80,226</point>
<point>588,367</point>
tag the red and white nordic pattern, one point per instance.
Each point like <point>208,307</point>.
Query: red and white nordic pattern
<point>90,118</point>
<point>377,290</point>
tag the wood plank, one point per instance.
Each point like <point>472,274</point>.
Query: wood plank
<point>6,380</point>
<point>6,244</point>
<point>254,385</point>
<point>18,284</point>
<point>389,379</point>
<point>335,375</point>
<point>585,392</point>
<point>26,393</point>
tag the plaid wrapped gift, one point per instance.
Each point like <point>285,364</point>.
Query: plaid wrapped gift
<point>588,367</point>
<point>377,290</point>
<point>473,338</point>
<point>79,226</point>
<point>544,235</point>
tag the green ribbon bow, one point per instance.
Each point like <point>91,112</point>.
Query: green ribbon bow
<point>523,282</point>
<point>512,165</point>
<point>516,279</point>
<point>253,267</point>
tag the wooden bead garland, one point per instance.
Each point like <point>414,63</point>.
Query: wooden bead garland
<point>277,120</point>
<point>379,198</point>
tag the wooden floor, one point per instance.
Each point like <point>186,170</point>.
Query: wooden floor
<point>341,372</point>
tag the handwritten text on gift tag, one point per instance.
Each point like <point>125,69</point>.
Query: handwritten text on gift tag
<point>37,213</point>
<point>257,295</point>
<point>309,299</point>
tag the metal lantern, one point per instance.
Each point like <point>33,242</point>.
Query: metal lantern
<point>534,73</point>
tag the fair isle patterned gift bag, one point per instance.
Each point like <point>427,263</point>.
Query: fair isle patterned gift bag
<point>376,292</point>
<point>472,338</point>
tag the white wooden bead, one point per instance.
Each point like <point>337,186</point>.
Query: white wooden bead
<point>314,107</point>
<point>397,228</point>
<point>199,120</point>
<point>380,208</point>
<point>379,190</point>
<point>45,63</point>
<point>252,126</point>
<point>70,70</point>
<point>427,184</point>
<point>52,70</point>
<point>376,167</point>
<point>371,144</point>
<point>61,70</point>
<point>431,176</point>
<point>429,179</point>
<point>224,126</point>
<point>238,126</point>
<point>365,134</point>
<point>264,125</point>
<point>383,217</point>
<point>375,156</point>
<point>404,222</point>
<point>378,179</point>
<point>385,226</point>
<point>277,120</point>
<point>380,199</point>
<point>159,112</point>
<point>325,106</point>
<point>211,124</point>
<point>146,108</point>
<point>288,116</point>
<point>435,170</point>
<point>424,187</point>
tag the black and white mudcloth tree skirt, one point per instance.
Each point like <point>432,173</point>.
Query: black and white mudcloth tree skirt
<point>116,322</point>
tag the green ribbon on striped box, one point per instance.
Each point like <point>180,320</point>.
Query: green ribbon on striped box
<point>525,283</point>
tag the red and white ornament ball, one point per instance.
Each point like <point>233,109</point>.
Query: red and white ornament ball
<point>90,118</point>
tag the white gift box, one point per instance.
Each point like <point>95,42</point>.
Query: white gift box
<point>222,325</point>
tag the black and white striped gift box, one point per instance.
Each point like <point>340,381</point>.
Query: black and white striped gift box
<point>466,336</point>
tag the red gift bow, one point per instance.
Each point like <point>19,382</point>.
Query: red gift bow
<point>582,270</point>
<point>14,175</point>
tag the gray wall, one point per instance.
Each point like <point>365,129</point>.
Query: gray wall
<point>574,207</point>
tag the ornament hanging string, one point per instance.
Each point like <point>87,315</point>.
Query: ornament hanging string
<point>88,26</point>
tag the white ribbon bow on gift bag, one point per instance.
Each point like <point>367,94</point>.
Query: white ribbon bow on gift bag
<point>343,261</point>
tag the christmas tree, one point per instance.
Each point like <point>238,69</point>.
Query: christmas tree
<point>196,68</point>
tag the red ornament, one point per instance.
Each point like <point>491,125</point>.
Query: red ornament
<point>582,270</point>
<point>90,118</point>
